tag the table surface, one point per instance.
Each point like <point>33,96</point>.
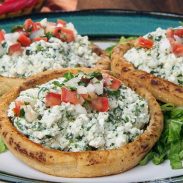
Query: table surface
<point>171,6</point>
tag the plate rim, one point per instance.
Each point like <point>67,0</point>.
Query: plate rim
<point>4,176</point>
<point>99,12</point>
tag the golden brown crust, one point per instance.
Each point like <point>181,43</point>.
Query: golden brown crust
<point>162,89</point>
<point>7,83</point>
<point>79,164</point>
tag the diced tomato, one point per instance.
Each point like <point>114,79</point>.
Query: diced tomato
<point>177,48</point>
<point>53,99</point>
<point>69,96</point>
<point>57,32</point>
<point>111,83</point>
<point>67,35</point>
<point>179,32</point>
<point>17,108</point>
<point>100,104</point>
<point>30,26</point>
<point>15,48</point>
<point>170,33</point>
<point>24,40</point>
<point>62,22</point>
<point>1,36</point>
<point>115,84</point>
<point>40,38</point>
<point>144,43</point>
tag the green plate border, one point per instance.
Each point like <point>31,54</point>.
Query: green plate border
<point>106,23</point>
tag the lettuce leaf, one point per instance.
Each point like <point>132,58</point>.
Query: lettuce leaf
<point>170,144</point>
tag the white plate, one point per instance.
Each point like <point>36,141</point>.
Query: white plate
<point>11,165</point>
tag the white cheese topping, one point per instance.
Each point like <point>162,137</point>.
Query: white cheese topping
<point>42,55</point>
<point>71,127</point>
<point>159,60</point>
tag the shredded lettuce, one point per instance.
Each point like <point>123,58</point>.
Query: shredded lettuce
<point>122,40</point>
<point>170,144</point>
<point>2,146</point>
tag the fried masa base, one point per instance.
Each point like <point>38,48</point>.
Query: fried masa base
<point>79,164</point>
<point>7,83</point>
<point>162,89</point>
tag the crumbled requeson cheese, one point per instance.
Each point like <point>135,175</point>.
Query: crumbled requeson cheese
<point>42,55</point>
<point>75,128</point>
<point>159,60</point>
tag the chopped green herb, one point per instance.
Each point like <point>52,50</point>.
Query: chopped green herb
<point>49,35</point>
<point>57,83</point>
<point>97,75</point>
<point>39,48</point>
<point>68,76</point>
<point>22,113</point>
<point>17,27</point>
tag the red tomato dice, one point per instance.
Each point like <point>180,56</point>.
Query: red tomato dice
<point>40,38</point>
<point>100,104</point>
<point>111,83</point>
<point>17,108</point>
<point>69,96</point>
<point>53,99</point>
<point>177,48</point>
<point>1,36</point>
<point>115,84</point>
<point>178,32</point>
<point>24,40</point>
<point>15,48</point>
<point>28,24</point>
<point>67,35</point>
<point>144,43</point>
<point>62,22</point>
<point>57,32</point>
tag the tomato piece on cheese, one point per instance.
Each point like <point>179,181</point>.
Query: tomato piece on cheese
<point>15,48</point>
<point>67,35</point>
<point>177,49</point>
<point>144,43</point>
<point>100,104</point>
<point>115,85</point>
<point>17,108</point>
<point>53,99</point>
<point>24,40</point>
<point>28,25</point>
<point>1,36</point>
<point>40,38</point>
<point>178,32</point>
<point>69,96</point>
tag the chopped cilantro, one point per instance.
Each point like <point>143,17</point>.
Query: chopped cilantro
<point>22,113</point>
<point>68,76</point>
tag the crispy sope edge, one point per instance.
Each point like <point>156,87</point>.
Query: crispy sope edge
<point>79,164</point>
<point>162,89</point>
<point>7,83</point>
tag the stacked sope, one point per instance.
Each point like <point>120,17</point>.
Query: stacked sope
<point>154,61</point>
<point>39,46</point>
<point>80,122</point>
